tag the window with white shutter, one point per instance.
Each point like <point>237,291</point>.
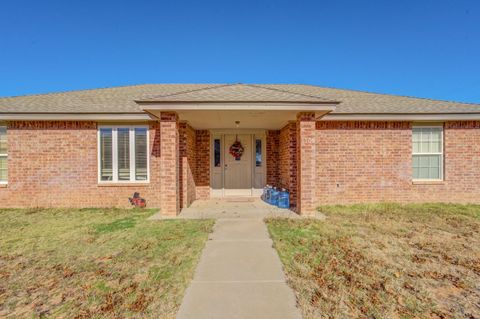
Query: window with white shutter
<point>106,154</point>
<point>123,154</point>
<point>141,154</point>
<point>3,155</point>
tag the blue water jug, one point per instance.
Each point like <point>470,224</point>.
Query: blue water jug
<point>284,199</point>
<point>268,194</point>
<point>274,196</point>
<point>264,194</point>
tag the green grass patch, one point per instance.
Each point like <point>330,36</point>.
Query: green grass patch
<point>118,224</point>
<point>95,263</point>
<point>384,261</point>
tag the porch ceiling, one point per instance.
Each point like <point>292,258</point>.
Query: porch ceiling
<point>249,119</point>
<point>254,106</point>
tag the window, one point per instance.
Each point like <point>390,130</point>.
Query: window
<point>258,153</point>
<point>216,151</point>
<point>3,155</point>
<point>123,154</point>
<point>427,153</point>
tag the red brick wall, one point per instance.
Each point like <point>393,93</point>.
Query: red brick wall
<point>55,164</point>
<point>272,157</point>
<point>288,160</point>
<point>202,176</point>
<point>360,162</point>
<point>169,163</point>
<point>306,163</point>
<point>188,150</point>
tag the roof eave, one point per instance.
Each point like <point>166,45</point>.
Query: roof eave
<point>464,116</point>
<point>119,117</point>
<point>240,105</point>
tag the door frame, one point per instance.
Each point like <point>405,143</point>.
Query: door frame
<point>220,133</point>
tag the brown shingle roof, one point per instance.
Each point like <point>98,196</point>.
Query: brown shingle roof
<point>122,99</point>
<point>240,93</point>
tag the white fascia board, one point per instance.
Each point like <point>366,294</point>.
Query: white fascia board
<point>75,117</point>
<point>402,117</point>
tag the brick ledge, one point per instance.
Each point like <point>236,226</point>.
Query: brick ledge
<point>428,182</point>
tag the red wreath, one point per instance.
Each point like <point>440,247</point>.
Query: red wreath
<point>236,150</point>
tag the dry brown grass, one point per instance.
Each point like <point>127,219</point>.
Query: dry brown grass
<point>95,263</point>
<point>384,261</point>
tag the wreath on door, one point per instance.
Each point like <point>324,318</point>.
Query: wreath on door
<point>236,149</point>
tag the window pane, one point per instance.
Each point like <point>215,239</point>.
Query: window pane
<point>424,161</point>
<point>425,147</point>
<point>416,147</point>
<point>3,140</point>
<point>123,146</point>
<point>141,153</point>
<point>106,167</point>
<point>216,150</point>
<point>436,134</point>
<point>416,135</point>
<point>258,153</point>
<point>435,147</point>
<point>423,172</point>
<point>416,161</point>
<point>427,166</point>
<point>434,161</point>
<point>427,140</point>
<point>434,173</point>
<point>3,169</point>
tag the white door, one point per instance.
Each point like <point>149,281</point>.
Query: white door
<point>238,171</point>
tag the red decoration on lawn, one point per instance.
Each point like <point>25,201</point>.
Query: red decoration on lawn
<point>137,201</point>
<point>236,150</point>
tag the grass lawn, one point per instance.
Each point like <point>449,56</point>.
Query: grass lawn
<point>384,261</point>
<point>95,263</point>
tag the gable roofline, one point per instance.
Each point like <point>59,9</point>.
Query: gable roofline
<point>237,93</point>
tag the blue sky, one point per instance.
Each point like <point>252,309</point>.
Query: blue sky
<point>417,48</point>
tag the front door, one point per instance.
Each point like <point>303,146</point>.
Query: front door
<point>238,170</point>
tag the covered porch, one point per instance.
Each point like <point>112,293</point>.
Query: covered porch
<point>233,208</point>
<point>232,148</point>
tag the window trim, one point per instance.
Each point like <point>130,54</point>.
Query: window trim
<point>5,155</point>
<point>441,153</point>
<point>115,154</point>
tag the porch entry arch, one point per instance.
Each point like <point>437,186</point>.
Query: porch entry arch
<point>241,176</point>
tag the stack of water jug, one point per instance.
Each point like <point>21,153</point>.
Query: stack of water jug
<point>273,196</point>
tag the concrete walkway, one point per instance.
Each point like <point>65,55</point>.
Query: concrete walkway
<point>239,275</point>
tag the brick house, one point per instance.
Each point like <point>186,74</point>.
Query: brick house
<point>172,144</point>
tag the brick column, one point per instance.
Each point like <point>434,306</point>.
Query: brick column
<point>169,164</point>
<point>202,176</point>
<point>272,157</point>
<point>306,163</point>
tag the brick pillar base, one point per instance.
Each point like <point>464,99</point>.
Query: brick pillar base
<point>306,163</point>
<point>169,164</point>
